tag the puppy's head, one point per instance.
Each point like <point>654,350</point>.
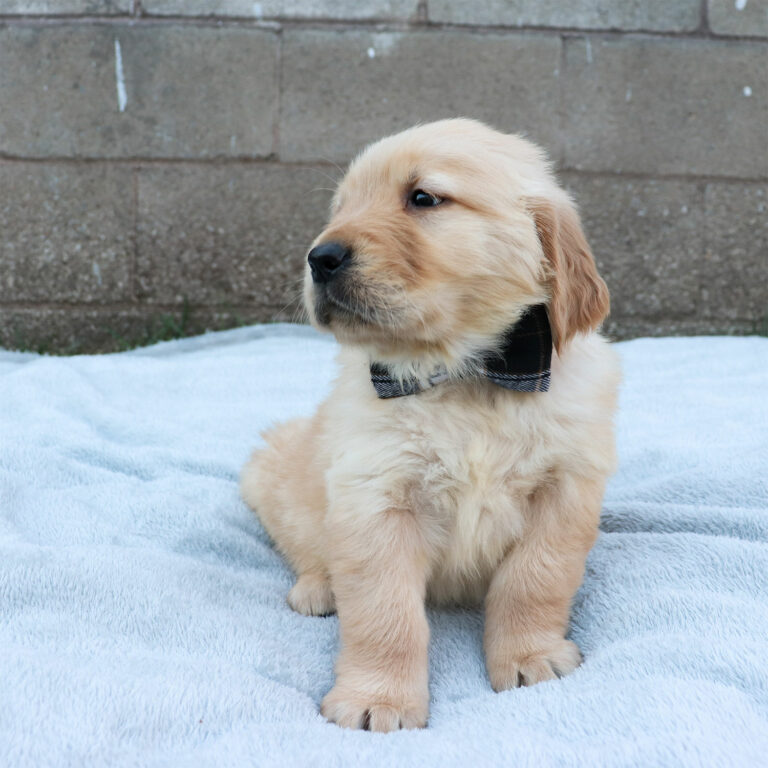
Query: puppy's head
<point>440,237</point>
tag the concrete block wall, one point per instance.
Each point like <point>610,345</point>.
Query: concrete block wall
<point>165,163</point>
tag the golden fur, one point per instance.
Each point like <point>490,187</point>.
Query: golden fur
<point>465,492</point>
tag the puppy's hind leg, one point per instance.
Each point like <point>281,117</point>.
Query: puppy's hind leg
<point>284,484</point>
<point>312,595</point>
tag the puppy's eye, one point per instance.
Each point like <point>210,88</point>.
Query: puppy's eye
<point>421,199</point>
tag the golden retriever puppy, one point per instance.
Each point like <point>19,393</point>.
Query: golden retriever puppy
<point>463,452</point>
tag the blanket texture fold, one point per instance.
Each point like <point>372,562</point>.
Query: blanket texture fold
<point>143,619</point>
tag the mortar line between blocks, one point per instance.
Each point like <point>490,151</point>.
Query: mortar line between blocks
<point>142,163</point>
<point>135,250</point>
<point>278,97</point>
<point>367,25</point>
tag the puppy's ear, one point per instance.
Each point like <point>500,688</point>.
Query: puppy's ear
<point>578,296</point>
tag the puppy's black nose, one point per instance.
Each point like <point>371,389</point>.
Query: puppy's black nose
<point>327,260</point>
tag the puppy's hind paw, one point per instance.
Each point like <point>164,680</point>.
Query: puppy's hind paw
<point>312,595</point>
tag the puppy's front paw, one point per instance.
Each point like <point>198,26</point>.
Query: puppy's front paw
<point>312,595</point>
<point>372,712</point>
<point>509,671</point>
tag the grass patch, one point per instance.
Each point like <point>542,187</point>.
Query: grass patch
<point>163,327</point>
<point>131,333</point>
<point>20,343</point>
<point>169,326</point>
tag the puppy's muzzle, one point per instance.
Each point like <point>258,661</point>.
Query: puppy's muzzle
<point>327,260</point>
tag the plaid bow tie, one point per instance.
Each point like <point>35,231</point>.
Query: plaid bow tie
<point>522,363</point>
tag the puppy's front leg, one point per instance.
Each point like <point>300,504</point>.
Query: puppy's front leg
<point>528,602</point>
<point>378,574</point>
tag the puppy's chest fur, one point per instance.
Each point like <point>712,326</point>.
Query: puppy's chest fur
<point>464,462</point>
<point>477,463</point>
<point>468,462</point>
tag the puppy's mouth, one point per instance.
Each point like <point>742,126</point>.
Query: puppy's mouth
<point>335,304</point>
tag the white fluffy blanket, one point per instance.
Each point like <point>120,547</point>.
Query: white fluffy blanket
<point>142,609</point>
